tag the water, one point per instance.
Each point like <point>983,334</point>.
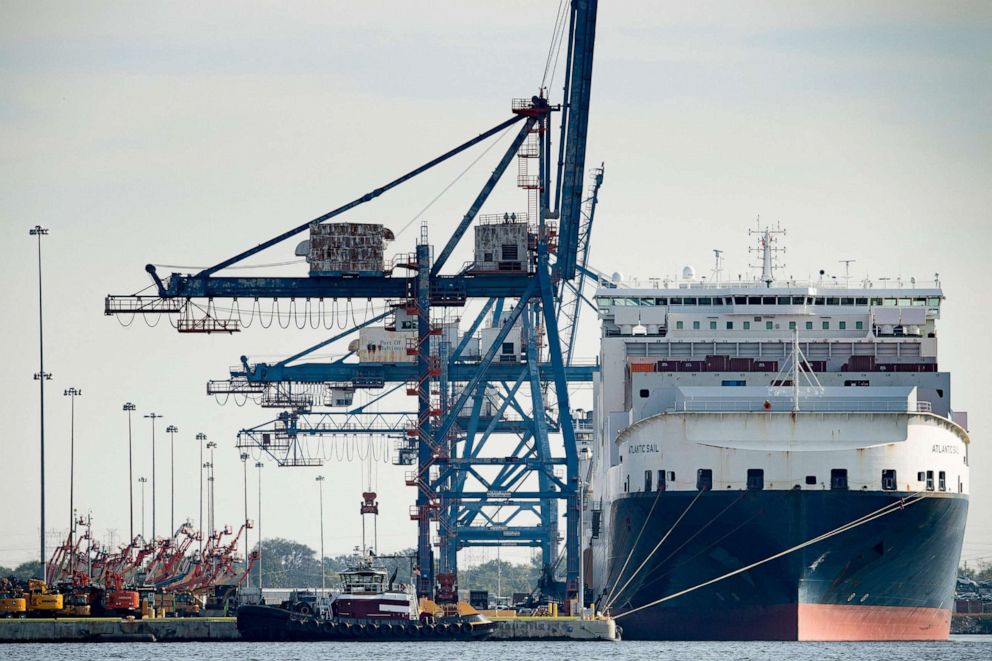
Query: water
<point>959,648</point>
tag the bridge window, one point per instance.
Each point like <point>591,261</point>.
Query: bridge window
<point>647,481</point>
<point>733,382</point>
<point>811,480</point>
<point>819,300</point>
<point>661,480</point>
<point>755,479</point>
<point>833,301</point>
<point>798,300</point>
<point>929,480</point>
<point>847,301</point>
<point>838,479</point>
<point>707,301</point>
<point>688,301</point>
<point>768,300</point>
<point>861,301</point>
<point>704,479</point>
<point>889,479</point>
<point>942,481</point>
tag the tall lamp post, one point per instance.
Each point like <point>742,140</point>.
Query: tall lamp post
<point>129,408</point>
<point>201,437</point>
<point>143,481</point>
<point>210,486</point>
<point>320,488</point>
<point>41,376</point>
<point>72,394</point>
<point>258,524</point>
<point>153,417</point>
<point>244,470</point>
<point>171,431</point>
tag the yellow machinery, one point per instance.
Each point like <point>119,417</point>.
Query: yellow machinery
<point>40,601</point>
<point>13,606</point>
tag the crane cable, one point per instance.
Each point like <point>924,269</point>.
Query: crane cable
<point>899,505</point>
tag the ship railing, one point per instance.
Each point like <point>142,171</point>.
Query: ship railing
<point>805,405</point>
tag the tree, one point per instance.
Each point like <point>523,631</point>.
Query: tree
<point>981,572</point>
<point>31,569</point>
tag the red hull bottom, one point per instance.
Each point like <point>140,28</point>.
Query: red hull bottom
<point>854,622</point>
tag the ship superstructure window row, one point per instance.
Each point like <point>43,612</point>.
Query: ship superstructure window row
<point>724,301</point>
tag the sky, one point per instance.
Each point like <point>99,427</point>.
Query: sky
<point>182,133</point>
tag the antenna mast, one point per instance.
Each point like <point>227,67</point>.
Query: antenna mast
<point>768,249</point>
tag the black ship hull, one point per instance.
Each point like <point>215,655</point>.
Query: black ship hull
<point>268,623</point>
<point>891,578</point>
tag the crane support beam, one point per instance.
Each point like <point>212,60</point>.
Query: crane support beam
<point>368,197</point>
<point>483,195</point>
<point>445,290</point>
<point>381,373</point>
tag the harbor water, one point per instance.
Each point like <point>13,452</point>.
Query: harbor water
<point>959,648</point>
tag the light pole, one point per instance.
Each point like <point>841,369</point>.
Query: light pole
<point>244,470</point>
<point>129,408</point>
<point>143,481</point>
<point>258,525</point>
<point>171,431</point>
<point>72,394</point>
<point>153,417</point>
<point>41,376</point>
<point>200,438</point>
<point>320,488</point>
<point>210,486</point>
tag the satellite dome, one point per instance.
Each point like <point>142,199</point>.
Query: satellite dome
<point>688,273</point>
<point>617,277</point>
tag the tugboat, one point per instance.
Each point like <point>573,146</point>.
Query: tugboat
<point>368,607</point>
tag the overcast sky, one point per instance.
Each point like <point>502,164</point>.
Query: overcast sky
<point>182,133</point>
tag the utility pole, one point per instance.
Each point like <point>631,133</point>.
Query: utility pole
<point>259,465</point>
<point>320,487</point>
<point>153,417</point>
<point>143,481</point>
<point>72,394</point>
<point>171,431</point>
<point>129,408</point>
<point>210,486</point>
<point>244,470</point>
<point>201,437</point>
<point>41,376</point>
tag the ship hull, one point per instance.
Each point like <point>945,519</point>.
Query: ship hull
<point>268,623</point>
<point>891,578</point>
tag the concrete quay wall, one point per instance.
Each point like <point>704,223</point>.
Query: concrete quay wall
<point>114,630</point>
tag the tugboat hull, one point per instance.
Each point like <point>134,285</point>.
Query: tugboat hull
<point>268,623</point>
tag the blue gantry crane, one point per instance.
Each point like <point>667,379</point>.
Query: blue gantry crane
<point>476,490</point>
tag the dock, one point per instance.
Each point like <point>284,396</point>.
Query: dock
<point>218,629</point>
<point>112,630</point>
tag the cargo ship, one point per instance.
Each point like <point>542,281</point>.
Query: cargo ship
<point>773,460</point>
